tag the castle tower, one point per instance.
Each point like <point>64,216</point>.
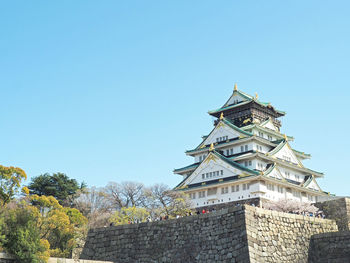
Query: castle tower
<point>246,158</point>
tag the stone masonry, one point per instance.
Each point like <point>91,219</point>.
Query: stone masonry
<point>330,247</point>
<point>280,237</point>
<point>215,237</point>
<point>236,234</point>
<point>339,210</point>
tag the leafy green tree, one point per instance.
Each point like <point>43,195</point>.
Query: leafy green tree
<point>57,185</point>
<point>23,236</point>
<point>10,182</point>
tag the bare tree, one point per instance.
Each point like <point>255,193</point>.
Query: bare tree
<point>162,200</point>
<point>125,194</point>
<point>95,205</point>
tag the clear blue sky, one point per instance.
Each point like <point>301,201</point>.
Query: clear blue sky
<point>118,90</point>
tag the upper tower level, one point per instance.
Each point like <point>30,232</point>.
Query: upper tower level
<point>243,109</point>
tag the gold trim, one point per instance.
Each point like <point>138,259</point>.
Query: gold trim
<point>211,148</point>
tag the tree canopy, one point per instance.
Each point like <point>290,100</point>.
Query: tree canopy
<point>57,185</point>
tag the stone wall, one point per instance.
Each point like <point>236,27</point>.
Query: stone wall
<point>281,237</point>
<point>240,234</point>
<point>5,258</point>
<point>339,210</point>
<point>330,247</point>
<point>215,237</point>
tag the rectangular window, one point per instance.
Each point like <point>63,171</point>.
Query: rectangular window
<point>217,173</point>
<point>222,172</point>
<point>207,175</point>
<point>212,191</point>
<point>296,193</point>
<point>244,187</point>
<point>287,174</point>
<point>250,162</point>
<point>237,188</point>
<point>231,151</point>
<point>242,148</point>
<point>224,190</point>
<point>246,147</point>
<point>203,176</point>
<point>233,189</point>
<point>270,187</point>
<point>246,163</point>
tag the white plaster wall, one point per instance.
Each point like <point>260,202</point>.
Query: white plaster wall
<point>255,131</point>
<point>292,173</point>
<point>264,149</point>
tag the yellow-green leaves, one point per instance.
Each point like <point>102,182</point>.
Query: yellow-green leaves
<point>10,182</point>
<point>129,215</point>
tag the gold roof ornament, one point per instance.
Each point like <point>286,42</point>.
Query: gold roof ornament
<point>211,148</point>
<point>221,116</point>
<point>285,137</point>
<point>256,95</point>
<point>235,87</point>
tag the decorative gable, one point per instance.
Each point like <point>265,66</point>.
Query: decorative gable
<point>222,132</point>
<point>269,125</point>
<point>235,99</point>
<point>313,185</point>
<point>285,153</point>
<point>274,173</point>
<point>213,168</point>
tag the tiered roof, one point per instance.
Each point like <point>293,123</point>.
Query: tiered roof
<point>246,99</point>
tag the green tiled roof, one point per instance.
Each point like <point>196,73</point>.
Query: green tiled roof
<point>195,165</point>
<point>248,98</point>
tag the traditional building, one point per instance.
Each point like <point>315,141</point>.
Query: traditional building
<point>246,157</point>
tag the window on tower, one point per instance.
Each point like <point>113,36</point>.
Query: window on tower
<point>224,190</point>
<point>287,174</point>
<point>280,189</point>
<point>201,194</point>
